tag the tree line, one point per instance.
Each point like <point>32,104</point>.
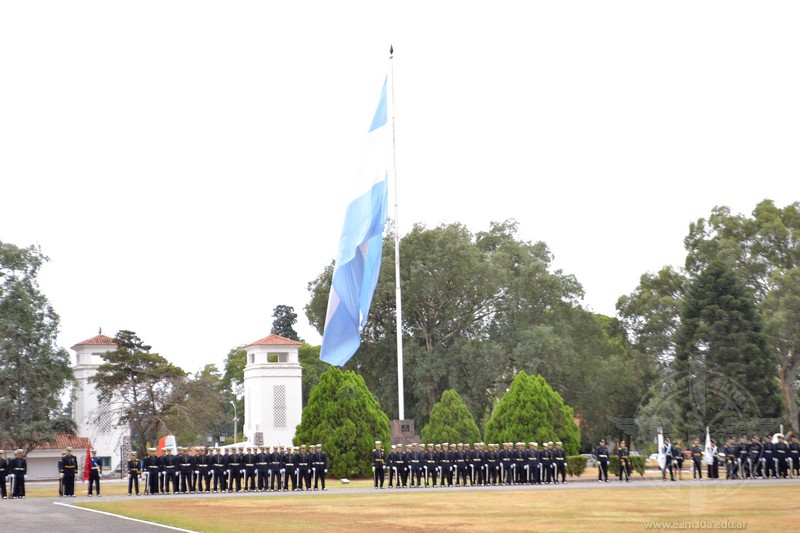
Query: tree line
<point>480,309</point>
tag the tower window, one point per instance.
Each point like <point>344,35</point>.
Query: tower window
<point>279,405</point>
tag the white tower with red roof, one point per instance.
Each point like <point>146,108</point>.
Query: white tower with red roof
<point>97,423</point>
<point>273,391</point>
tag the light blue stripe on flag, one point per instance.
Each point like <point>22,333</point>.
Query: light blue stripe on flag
<point>358,260</point>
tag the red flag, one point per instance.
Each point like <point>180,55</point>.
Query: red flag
<point>87,465</point>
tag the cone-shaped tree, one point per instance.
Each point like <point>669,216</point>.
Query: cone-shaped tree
<point>532,411</point>
<point>450,421</point>
<point>721,349</point>
<point>343,416</point>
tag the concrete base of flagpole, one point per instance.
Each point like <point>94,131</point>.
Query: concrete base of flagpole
<point>402,431</point>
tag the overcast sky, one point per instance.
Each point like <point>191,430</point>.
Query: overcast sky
<point>185,165</point>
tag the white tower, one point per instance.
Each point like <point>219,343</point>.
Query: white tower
<point>98,424</point>
<point>273,391</point>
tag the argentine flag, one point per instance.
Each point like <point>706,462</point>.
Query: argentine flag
<point>358,260</point>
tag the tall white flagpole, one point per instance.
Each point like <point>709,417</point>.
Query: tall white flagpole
<point>397,296</point>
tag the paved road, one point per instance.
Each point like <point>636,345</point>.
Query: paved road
<point>56,514</point>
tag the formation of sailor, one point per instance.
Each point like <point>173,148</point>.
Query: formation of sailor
<point>460,465</point>
<point>240,469</point>
<point>743,458</point>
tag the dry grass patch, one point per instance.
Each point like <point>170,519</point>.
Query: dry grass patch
<point>620,509</point>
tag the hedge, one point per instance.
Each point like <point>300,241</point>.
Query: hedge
<point>576,464</point>
<point>637,465</point>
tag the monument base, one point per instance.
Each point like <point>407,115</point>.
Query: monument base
<point>402,431</point>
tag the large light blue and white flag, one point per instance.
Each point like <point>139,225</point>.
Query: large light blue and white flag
<point>358,260</point>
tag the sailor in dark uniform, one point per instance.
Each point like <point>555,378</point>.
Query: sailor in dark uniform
<point>321,468</point>
<point>96,469</point>
<point>446,463</point>
<point>794,457</point>
<point>782,455</point>
<point>602,461</point>
<point>770,456</point>
<point>431,466</point>
<point>152,470</point>
<point>378,463</point>
<point>534,463</point>
<point>275,467</point>
<point>134,472</point>
<point>677,459</point>
<point>60,467</point>
<point>69,467</point>
<point>755,457</point>
<point>4,473</point>
<point>19,472</point>
<point>624,455</point>
<point>462,457</point>
<point>697,459</point>
<point>742,457</point>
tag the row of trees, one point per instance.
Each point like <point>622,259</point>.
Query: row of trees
<point>343,415</point>
<point>479,308</point>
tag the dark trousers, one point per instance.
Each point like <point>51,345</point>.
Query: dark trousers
<point>235,479</point>
<point>320,478</point>
<point>133,481</point>
<point>602,470</point>
<point>3,493</point>
<point>377,476</point>
<point>69,485</point>
<point>461,474</point>
<point>94,480</point>
<point>289,474</point>
<point>250,479</point>
<point>275,475</point>
<point>698,468</point>
<point>624,470</point>
<point>19,486</point>
<point>204,480</point>
<point>152,481</point>
<point>769,467</point>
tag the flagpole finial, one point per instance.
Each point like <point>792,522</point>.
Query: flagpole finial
<point>391,51</point>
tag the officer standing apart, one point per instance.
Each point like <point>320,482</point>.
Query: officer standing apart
<point>69,468</point>
<point>602,461</point>
<point>134,471</point>
<point>378,461</point>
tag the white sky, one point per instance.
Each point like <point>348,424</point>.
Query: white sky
<point>185,165</point>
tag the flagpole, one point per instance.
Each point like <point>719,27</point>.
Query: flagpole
<point>397,295</point>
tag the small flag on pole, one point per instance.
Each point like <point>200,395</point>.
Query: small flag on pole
<point>358,260</point>
<point>662,451</point>
<point>708,451</point>
<point>87,463</point>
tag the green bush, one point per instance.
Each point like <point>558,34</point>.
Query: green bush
<point>343,416</point>
<point>576,464</point>
<point>450,421</point>
<point>637,465</point>
<point>532,411</point>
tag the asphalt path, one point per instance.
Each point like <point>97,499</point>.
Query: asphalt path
<point>60,515</point>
